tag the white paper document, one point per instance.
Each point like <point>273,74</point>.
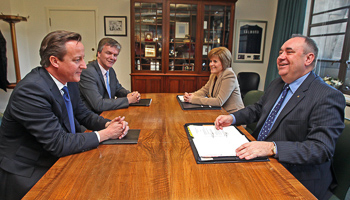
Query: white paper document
<point>181,97</point>
<point>210,142</point>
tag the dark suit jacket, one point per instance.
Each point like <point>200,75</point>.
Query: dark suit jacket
<point>306,130</point>
<point>35,131</point>
<point>94,93</point>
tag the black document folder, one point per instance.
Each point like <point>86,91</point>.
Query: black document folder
<point>219,159</point>
<point>190,106</point>
<point>142,102</point>
<point>131,138</point>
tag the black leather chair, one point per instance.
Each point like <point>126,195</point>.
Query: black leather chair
<point>248,81</point>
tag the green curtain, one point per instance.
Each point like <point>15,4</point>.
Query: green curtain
<point>290,19</point>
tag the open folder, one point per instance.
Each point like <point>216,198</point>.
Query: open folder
<point>142,102</point>
<point>216,146</point>
<point>131,138</point>
<point>189,106</point>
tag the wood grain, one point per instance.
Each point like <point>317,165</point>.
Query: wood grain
<point>162,165</point>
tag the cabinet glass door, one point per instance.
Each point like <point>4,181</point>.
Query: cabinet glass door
<point>216,28</point>
<point>148,36</point>
<point>183,21</point>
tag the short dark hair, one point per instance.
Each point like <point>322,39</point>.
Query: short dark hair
<point>311,46</point>
<point>109,42</point>
<point>54,44</point>
<point>224,55</point>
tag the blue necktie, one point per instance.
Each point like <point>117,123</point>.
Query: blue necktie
<point>107,84</point>
<point>69,108</point>
<point>269,122</point>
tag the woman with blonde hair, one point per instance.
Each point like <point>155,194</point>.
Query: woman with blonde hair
<point>222,89</point>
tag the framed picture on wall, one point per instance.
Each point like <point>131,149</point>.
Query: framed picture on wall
<point>115,25</point>
<point>250,41</point>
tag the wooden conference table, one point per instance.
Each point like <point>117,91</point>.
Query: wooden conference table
<point>162,165</point>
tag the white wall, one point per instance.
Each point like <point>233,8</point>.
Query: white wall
<point>257,10</point>
<point>30,33</point>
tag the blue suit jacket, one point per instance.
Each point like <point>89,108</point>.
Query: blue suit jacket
<point>35,131</point>
<point>306,130</point>
<point>94,93</point>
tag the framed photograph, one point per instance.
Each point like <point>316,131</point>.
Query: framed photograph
<point>182,29</point>
<point>115,25</point>
<point>250,41</point>
<point>150,50</point>
<point>148,36</point>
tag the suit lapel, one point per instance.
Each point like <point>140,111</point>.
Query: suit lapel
<point>297,97</point>
<point>268,105</point>
<point>59,99</point>
<point>217,84</point>
<point>113,82</point>
<point>101,76</point>
<point>212,79</point>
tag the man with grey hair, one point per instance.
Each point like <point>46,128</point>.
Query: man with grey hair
<point>100,89</point>
<point>42,120</point>
<point>299,119</point>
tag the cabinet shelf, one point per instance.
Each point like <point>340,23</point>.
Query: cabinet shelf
<point>183,32</point>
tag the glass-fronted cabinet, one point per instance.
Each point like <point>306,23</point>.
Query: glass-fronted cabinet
<point>170,42</point>
<point>216,28</point>
<point>148,36</point>
<point>182,37</point>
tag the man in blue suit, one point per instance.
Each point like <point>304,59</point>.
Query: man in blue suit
<point>99,87</point>
<point>302,133</point>
<point>36,129</point>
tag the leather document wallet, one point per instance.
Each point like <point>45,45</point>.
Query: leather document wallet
<point>131,138</point>
<point>142,102</point>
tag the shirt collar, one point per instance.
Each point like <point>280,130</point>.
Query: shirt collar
<point>57,82</point>
<point>296,84</point>
<point>103,70</point>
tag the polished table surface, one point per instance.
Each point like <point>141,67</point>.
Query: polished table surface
<point>162,165</point>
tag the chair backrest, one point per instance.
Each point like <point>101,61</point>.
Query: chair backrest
<point>248,81</point>
<point>250,98</point>
<point>341,162</point>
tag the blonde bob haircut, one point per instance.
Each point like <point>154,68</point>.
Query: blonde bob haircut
<point>224,55</point>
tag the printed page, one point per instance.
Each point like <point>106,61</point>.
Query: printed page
<point>210,142</point>
<point>181,97</point>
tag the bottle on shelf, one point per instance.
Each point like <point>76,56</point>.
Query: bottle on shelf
<point>171,67</point>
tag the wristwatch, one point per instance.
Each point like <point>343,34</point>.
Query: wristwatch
<point>274,148</point>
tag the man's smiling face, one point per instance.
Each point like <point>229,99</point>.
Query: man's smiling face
<point>107,57</point>
<point>292,62</point>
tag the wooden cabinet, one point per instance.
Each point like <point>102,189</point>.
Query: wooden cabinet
<point>170,41</point>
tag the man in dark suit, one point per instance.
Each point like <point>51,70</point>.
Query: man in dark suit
<point>302,134</point>
<point>36,129</point>
<point>99,84</point>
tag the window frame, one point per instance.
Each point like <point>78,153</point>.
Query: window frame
<point>345,53</point>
